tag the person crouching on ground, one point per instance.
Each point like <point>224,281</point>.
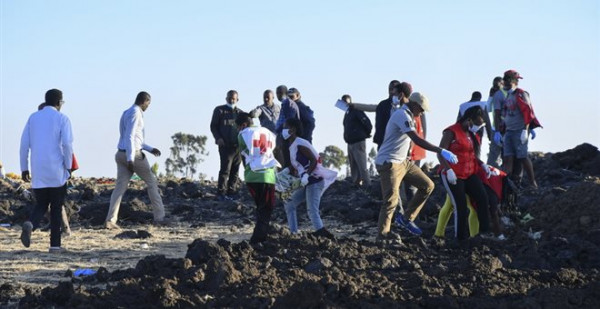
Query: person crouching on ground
<point>494,187</point>
<point>314,177</point>
<point>256,145</point>
<point>461,178</point>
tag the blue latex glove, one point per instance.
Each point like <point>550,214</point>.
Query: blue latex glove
<point>498,138</point>
<point>449,156</point>
<point>532,132</point>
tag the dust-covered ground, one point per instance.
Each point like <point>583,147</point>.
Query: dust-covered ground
<point>550,260</point>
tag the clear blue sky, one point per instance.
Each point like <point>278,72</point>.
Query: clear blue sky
<point>187,54</point>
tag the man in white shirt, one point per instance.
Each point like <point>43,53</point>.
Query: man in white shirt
<point>49,137</point>
<point>130,159</point>
<point>394,166</point>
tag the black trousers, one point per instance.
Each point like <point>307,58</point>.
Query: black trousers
<point>264,197</point>
<point>230,166</point>
<point>55,197</point>
<point>476,190</point>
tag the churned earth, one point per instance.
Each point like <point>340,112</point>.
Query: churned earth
<point>550,260</point>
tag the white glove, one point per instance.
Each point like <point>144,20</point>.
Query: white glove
<point>449,156</point>
<point>451,176</point>
<point>1,172</point>
<point>524,137</point>
<point>490,170</point>
<point>498,138</point>
<point>304,180</point>
<point>495,171</point>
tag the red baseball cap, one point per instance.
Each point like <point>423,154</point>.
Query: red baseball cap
<point>513,73</point>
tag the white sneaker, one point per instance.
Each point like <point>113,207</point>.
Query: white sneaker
<point>57,250</point>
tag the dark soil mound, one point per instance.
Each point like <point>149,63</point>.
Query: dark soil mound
<point>559,269</point>
<point>309,272</point>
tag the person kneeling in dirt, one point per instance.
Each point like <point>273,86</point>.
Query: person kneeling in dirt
<point>461,178</point>
<point>256,145</point>
<point>315,178</point>
<point>495,189</point>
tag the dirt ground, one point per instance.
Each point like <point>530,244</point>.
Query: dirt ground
<point>550,260</point>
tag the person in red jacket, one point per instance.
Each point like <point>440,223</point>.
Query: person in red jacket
<point>461,178</point>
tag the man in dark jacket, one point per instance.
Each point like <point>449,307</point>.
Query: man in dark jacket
<point>382,114</point>
<point>225,132</point>
<point>357,128</point>
<point>305,114</point>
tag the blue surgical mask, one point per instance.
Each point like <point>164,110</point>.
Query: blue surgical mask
<point>285,133</point>
<point>395,100</point>
<point>232,106</point>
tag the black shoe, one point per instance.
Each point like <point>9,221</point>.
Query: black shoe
<point>324,233</point>
<point>26,234</point>
<point>257,240</point>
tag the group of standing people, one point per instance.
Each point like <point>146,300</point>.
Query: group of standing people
<point>269,138</point>
<point>400,131</point>
<point>272,137</point>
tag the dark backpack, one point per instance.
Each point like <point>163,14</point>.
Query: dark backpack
<point>307,117</point>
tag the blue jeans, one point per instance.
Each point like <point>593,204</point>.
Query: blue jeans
<point>312,195</point>
<point>513,146</point>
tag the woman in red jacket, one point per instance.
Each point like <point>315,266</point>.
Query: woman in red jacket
<point>461,179</point>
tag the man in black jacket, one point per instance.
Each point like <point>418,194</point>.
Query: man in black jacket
<point>357,128</point>
<point>225,132</point>
<point>382,115</point>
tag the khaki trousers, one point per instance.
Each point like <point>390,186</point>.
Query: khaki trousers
<point>142,168</point>
<point>391,175</point>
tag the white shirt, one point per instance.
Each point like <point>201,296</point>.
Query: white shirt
<point>48,134</point>
<point>463,107</point>
<point>396,142</point>
<point>131,129</point>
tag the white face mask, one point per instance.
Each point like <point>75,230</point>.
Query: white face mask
<point>285,133</point>
<point>475,128</point>
<point>395,100</point>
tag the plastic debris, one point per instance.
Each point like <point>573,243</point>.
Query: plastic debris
<point>506,221</point>
<point>526,218</point>
<point>286,181</point>
<point>535,235</point>
<point>83,272</point>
